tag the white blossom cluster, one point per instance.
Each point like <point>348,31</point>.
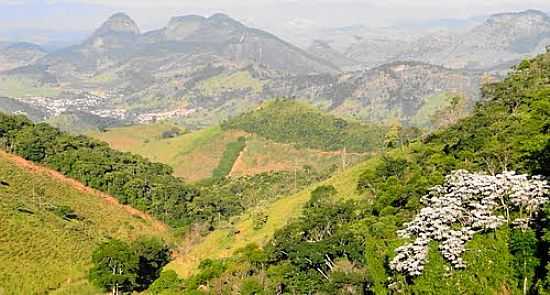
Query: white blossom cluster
<point>467,203</point>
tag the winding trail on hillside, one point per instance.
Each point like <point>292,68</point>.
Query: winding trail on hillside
<point>34,168</point>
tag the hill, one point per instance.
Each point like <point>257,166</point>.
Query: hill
<point>343,246</point>
<point>14,55</point>
<point>288,121</point>
<point>194,156</point>
<point>50,226</point>
<point>402,91</point>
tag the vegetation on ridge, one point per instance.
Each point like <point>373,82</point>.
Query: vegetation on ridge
<point>338,248</point>
<point>287,121</point>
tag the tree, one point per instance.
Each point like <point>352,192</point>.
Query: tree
<point>153,254</point>
<point>115,267</point>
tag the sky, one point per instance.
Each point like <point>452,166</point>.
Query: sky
<point>83,16</point>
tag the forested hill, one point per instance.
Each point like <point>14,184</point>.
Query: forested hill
<point>290,121</point>
<point>132,179</point>
<point>349,247</point>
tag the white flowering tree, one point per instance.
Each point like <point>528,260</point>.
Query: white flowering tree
<point>466,204</point>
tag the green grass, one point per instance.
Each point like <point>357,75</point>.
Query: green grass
<point>21,87</point>
<point>194,156</point>
<point>262,155</point>
<point>40,251</point>
<point>236,81</point>
<point>224,242</point>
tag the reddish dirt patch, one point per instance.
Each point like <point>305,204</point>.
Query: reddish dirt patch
<point>29,166</point>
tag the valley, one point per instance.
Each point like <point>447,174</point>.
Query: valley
<point>207,156</point>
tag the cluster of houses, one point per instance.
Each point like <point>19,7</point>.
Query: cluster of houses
<point>466,204</point>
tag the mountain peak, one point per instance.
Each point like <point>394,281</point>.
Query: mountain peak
<point>180,27</point>
<point>119,23</point>
<point>532,14</point>
<point>224,19</point>
<point>186,19</point>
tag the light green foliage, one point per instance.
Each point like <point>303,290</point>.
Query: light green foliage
<point>231,153</point>
<point>431,105</point>
<point>167,284</point>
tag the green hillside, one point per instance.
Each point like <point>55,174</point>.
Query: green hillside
<point>193,156</point>
<point>343,246</point>
<point>196,155</point>
<point>50,226</point>
<point>287,121</point>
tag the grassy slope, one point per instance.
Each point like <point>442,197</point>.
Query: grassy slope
<point>41,252</point>
<point>235,81</point>
<point>193,156</point>
<point>223,242</point>
<point>262,155</point>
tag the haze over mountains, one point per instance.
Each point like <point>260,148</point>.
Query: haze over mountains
<point>201,70</point>
<point>208,156</point>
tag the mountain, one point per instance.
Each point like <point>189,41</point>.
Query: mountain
<point>201,70</point>
<point>345,235</point>
<point>14,55</point>
<point>323,50</point>
<point>407,91</point>
<point>495,44</point>
<point>501,39</point>
<point>119,43</point>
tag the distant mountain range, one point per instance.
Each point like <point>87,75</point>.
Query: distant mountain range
<point>201,70</point>
<point>14,55</point>
<point>492,45</point>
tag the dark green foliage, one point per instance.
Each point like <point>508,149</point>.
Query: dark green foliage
<point>230,155</point>
<point>173,132</point>
<point>321,195</point>
<point>287,121</point>
<point>132,179</point>
<point>523,245</point>
<point>123,267</point>
<point>115,267</point>
<point>208,269</point>
<point>153,255</point>
<point>219,199</point>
